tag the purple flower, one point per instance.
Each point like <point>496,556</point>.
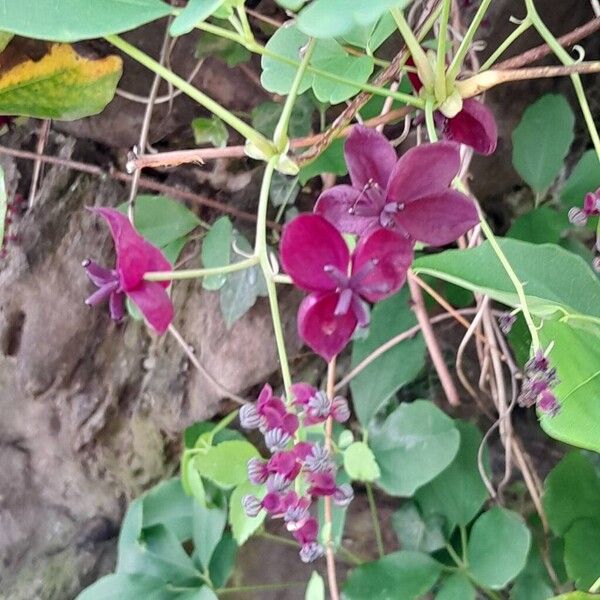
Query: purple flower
<point>258,471</point>
<point>317,407</point>
<point>285,464</point>
<point>269,413</point>
<point>411,195</point>
<point>251,505</point>
<point>474,125</point>
<point>537,384</point>
<point>343,495</point>
<point>277,439</point>
<point>311,551</point>
<point>317,259</point>
<point>591,207</point>
<point>547,403</point>
<point>135,258</point>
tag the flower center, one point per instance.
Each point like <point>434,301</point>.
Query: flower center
<point>386,216</point>
<point>369,201</point>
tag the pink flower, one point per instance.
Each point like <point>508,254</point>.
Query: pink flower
<point>316,407</point>
<point>411,196</point>
<point>135,258</point>
<point>473,126</point>
<point>591,208</point>
<point>269,413</point>
<point>316,257</point>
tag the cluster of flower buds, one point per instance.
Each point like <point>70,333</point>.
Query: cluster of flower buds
<point>297,472</point>
<point>580,216</point>
<point>538,383</point>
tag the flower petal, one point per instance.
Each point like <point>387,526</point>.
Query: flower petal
<point>326,333</point>
<point>438,219</point>
<point>473,126</point>
<point>308,244</point>
<point>338,205</point>
<point>392,255</point>
<point>155,304</point>
<point>302,393</point>
<point>423,171</point>
<point>135,256</point>
<point>369,156</point>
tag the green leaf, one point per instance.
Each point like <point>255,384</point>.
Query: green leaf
<point>584,178</point>
<point>208,527</point>
<point>242,288</point>
<point>371,36</point>
<point>412,572</point>
<point>162,220</point>
<point>542,140</point>
<point>167,504</point>
<point>533,582</point>
<point>243,526</point>
<point>498,548</point>
<point>228,51</point>
<point>414,444</point>
<point>5,39</point>
<point>359,462</point>
<point>226,464</point>
<point>284,190</point>
<point>576,596</point>
<point>456,587</point>
<point>378,382</point>
<point>131,587</point>
<point>264,117</point>
<point>335,18</point>
<point>540,226</point>
<point>210,131</point>
<point>195,12</point>
<point>330,161</point>
<point>555,278</point>
<point>216,252</point>
<point>60,85</point>
<point>315,590</point>
<point>571,492</point>
<point>223,560</point>
<point>416,532</point>
<point>192,434</point>
<point>582,552</point>
<point>64,21</point>
<point>458,492</point>
<point>173,249</point>
<point>576,357</point>
<point>328,56</point>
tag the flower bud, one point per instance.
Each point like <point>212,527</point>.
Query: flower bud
<point>249,417</point>
<point>343,495</point>
<point>252,505</point>
<point>340,410</point>
<point>277,439</point>
<point>257,471</point>
<point>310,552</point>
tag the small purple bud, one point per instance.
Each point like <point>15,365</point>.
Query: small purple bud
<point>319,405</point>
<point>343,494</point>
<point>277,439</point>
<point>548,403</point>
<point>249,417</point>
<point>277,483</point>
<point>591,203</point>
<point>539,363</point>
<point>340,410</point>
<point>252,505</point>
<point>257,471</point>
<point>295,516</point>
<point>577,216</point>
<point>310,552</point>
<point>318,459</point>
<point>505,322</point>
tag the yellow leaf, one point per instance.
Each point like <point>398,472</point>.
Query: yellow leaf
<point>60,85</point>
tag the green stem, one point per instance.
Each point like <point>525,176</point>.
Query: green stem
<point>457,61</point>
<point>520,30</point>
<point>418,54</point>
<point>259,588</point>
<point>350,556</point>
<point>243,128</point>
<point>440,65</point>
<point>277,538</point>
<point>195,273</point>
<point>224,422</point>
<point>463,544</point>
<point>264,51</point>
<point>243,17</point>
<point>455,557</point>
<point>429,120</point>
<point>280,137</point>
<point>375,518</point>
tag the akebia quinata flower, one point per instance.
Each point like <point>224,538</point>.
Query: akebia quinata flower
<point>315,255</point>
<point>135,258</point>
<point>410,196</point>
<point>591,208</point>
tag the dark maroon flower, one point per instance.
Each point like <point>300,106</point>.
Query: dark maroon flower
<point>591,207</point>
<point>316,257</point>
<point>539,379</point>
<point>268,414</point>
<point>474,125</point>
<point>316,407</point>
<point>547,403</point>
<point>411,195</point>
<point>135,258</point>
<point>285,464</point>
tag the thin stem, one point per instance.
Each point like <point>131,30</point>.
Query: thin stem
<point>455,557</point>
<point>440,65</point>
<point>429,120</point>
<point>375,518</point>
<point>266,587</point>
<point>280,137</point>
<point>243,128</point>
<point>463,543</point>
<point>517,32</point>
<point>330,555</point>
<point>278,538</point>
<point>457,61</point>
<point>195,273</point>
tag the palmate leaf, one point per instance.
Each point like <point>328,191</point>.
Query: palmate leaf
<point>61,85</point>
<point>73,20</point>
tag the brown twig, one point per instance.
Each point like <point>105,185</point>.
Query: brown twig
<point>543,50</point>
<point>146,183</point>
<point>43,132</point>
<point>431,342</point>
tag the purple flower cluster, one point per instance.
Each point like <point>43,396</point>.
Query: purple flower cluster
<point>297,472</point>
<point>540,377</point>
